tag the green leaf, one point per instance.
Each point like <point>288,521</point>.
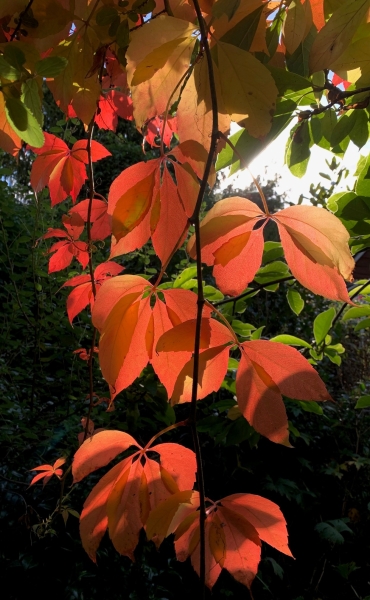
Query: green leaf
<point>330,533</point>
<point>363,402</point>
<point>105,15</point>
<point>333,356</point>
<point>295,301</point>
<point>337,201</point>
<point>123,34</point>
<point>213,294</point>
<point>291,340</point>
<point>311,407</point>
<point>272,251</point>
<point>272,271</point>
<point>7,71</point>
<point>248,146</point>
<point>322,325</point>
<point>31,99</point>
<point>51,66</point>
<point>360,131</point>
<point>243,33</point>
<point>232,364</point>
<point>256,335</point>
<point>362,325</point>
<point>355,312</point>
<point>298,149</point>
<point>225,7</point>
<point>363,182</point>
<point>242,329</point>
<point>342,128</point>
<point>187,274</point>
<point>24,123</point>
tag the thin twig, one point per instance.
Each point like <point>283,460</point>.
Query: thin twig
<point>19,24</point>
<point>253,290</point>
<point>345,304</point>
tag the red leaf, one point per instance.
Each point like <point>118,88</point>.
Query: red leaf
<point>102,226</point>
<point>79,298</point>
<point>48,471</point>
<point>62,169</point>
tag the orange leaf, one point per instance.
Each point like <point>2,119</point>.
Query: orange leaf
<point>98,451</point>
<point>234,529</point>
<point>265,374</point>
<point>265,516</point>
<point>182,337</point>
<point>124,497</point>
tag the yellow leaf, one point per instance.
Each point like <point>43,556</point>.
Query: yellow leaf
<point>166,66</point>
<point>337,33</point>
<point>248,90</point>
<point>194,114</point>
<point>155,60</point>
<point>132,207</point>
<point>321,234</point>
<point>166,517</point>
<point>294,26</point>
<point>354,63</point>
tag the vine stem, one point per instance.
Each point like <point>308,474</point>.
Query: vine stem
<point>169,428</point>
<point>194,220</point>
<point>252,290</point>
<point>19,24</point>
<point>344,305</point>
<point>91,271</point>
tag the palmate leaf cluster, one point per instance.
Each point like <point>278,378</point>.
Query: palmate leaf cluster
<point>169,331</point>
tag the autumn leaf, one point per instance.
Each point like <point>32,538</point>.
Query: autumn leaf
<point>146,203</point>
<point>113,103</point>
<point>294,26</point>
<point>9,139</point>
<point>83,295</point>
<point>157,57</point>
<point>62,169</point>
<point>131,327</point>
<point>250,101</point>
<point>101,221</point>
<point>315,245</point>
<point>48,471</point>
<point>267,371</point>
<point>123,498</point>
<point>234,529</point>
<point>70,247</point>
<point>333,39</point>
<point>154,130</point>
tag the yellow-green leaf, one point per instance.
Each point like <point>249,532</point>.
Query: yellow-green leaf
<point>294,26</point>
<point>248,89</point>
<point>337,34</point>
<point>24,123</point>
